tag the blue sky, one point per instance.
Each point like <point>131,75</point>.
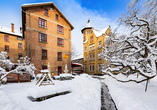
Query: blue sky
<point>101,13</point>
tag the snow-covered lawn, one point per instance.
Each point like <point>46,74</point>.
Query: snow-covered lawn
<point>85,95</point>
<point>132,96</point>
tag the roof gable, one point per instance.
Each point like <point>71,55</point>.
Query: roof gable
<point>48,3</point>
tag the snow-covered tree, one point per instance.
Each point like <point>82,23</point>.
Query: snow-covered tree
<point>4,62</point>
<point>135,52</point>
<point>73,51</point>
<point>23,66</point>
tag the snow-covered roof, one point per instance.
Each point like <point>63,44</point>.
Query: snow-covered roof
<point>88,26</point>
<point>78,64</point>
<point>8,31</point>
<point>98,33</point>
<point>78,57</point>
<point>37,3</point>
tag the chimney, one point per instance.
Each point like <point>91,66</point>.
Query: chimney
<point>12,27</point>
<point>20,29</point>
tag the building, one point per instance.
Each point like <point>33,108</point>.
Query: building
<point>77,64</point>
<point>93,42</point>
<point>12,42</point>
<point>47,34</point>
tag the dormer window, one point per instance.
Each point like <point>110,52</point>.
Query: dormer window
<point>46,12</point>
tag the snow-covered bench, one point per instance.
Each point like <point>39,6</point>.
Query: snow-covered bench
<point>46,91</point>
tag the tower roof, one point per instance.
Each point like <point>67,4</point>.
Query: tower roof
<point>88,26</point>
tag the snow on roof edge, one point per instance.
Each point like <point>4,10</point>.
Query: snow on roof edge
<point>8,31</point>
<point>78,57</point>
<point>36,3</point>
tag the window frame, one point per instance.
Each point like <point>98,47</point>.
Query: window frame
<point>91,39</point>
<point>20,55</point>
<point>59,56</point>
<point>20,45</point>
<point>19,38</point>
<point>44,67</point>
<point>99,67</point>
<point>85,49</point>
<point>6,37</point>
<point>60,42</point>
<point>7,48</point>
<point>46,12</point>
<point>93,68</point>
<point>59,29</point>
<point>100,44</point>
<point>42,23</point>
<point>56,16</point>
<point>44,54</point>
<point>42,37</point>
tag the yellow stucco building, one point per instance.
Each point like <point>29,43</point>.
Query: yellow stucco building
<point>93,42</point>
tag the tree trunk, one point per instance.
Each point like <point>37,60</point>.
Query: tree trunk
<point>146,85</point>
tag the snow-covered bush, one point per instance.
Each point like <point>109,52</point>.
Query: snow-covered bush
<point>23,66</point>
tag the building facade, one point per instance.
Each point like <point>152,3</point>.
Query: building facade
<point>47,35</point>
<point>12,42</point>
<point>93,42</point>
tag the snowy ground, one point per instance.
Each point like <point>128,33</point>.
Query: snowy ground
<point>85,95</point>
<point>131,96</point>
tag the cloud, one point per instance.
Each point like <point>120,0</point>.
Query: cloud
<point>78,16</point>
<point>72,9</point>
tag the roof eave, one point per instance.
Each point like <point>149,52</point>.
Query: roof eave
<point>86,28</point>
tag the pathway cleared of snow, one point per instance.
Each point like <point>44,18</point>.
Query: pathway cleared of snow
<point>107,102</point>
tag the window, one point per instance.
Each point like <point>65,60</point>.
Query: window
<point>85,69</point>
<point>88,32</point>
<point>60,56</point>
<point>44,67</point>
<point>60,29</point>
<point>90,57</point>
<point>20,55</point>
<point>42,37</point>
<point>59,70</point>
<point>42,23</point>
<point>59,41</point>
<point>44,54</point>
<point>85,49</point>
<point>84,38</point>
<point>93,68</point>
<point>91,39</point>
<point>93,57</point>
<point>6,48</point>
<point>19,38</point>
<point>85,58</point>
<point>92,47</point>
<point>46,12</point>
<point>56,16</point>
<point>99,67</point>
<point>20,45</point>
<point>6,38</point>
<point>90,68</point>
<point>100,44</point>
<point>84,32</point>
